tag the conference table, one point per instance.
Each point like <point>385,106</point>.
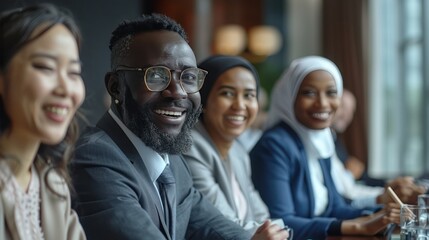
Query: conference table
<point>393,237</point>
<point>356,238</point>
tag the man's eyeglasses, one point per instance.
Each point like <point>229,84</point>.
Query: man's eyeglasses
<point>157,78</point>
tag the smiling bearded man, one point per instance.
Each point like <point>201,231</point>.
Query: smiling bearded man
<point>136,118</point>
<point>129,175</point>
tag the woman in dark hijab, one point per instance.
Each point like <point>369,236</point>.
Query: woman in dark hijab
<point>218,162</point>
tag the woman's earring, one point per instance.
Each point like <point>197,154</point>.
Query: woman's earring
<point>116,101</point>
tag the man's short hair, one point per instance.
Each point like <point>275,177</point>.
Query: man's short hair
<point>123,34</point>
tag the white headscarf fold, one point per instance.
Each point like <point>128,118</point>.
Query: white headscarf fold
<point>319,143</point>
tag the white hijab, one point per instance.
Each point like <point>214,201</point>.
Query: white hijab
<point>318,143</point>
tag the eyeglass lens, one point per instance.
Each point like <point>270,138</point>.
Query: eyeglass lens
<point>158,79</point>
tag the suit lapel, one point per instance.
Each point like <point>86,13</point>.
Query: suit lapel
<point>115,132</point>
<point>108,124</point>
<point>329,183</point>
<point>8,207</point>
<point>47,213</point>
<point>307,176</point>
<point>225,166</point>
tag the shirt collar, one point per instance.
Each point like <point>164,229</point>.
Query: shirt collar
<point>154,162</point>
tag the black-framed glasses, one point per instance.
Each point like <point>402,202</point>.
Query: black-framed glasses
<point>157,78</point>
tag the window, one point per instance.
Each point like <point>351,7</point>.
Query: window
<point>398,105</point>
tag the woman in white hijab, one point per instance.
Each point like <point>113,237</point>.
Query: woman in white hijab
<point>292,160</point>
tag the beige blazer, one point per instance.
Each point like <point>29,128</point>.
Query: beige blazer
<point>58,220</point>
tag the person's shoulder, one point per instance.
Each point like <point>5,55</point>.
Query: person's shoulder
<point>202,148</point>
<point>280,133</point>
<point>200,134</point>
<point>93,135</point>
<point>278,142</point>
<point>96,146</point>
<point>199,137</point>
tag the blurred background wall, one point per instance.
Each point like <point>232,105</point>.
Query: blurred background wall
<point>380,46</point>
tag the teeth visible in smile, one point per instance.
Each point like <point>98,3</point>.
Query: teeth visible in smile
<point>168,113</point>
<point>236,118</point>
<point>58,110</point>
<point>321,116</point>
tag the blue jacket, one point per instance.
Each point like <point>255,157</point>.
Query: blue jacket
<point>281,175</point>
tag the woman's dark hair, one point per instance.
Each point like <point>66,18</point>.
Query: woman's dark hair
<point>16,30</point>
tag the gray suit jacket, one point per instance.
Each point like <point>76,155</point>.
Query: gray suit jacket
<point>117,200</point>
<point>212,177</point>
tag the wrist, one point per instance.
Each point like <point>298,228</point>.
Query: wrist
<point>350,227</point>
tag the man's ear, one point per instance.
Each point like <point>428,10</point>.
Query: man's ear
<point>111,82</point>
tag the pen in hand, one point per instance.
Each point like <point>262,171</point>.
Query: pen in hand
<point>397,200</point>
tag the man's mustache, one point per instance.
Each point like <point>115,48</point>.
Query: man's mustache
<point>182,103</point>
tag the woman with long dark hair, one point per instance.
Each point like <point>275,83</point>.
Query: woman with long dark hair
<point>41,89</point>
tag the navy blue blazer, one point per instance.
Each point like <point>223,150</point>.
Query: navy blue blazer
<point>281,175</point>
<point>117,200</point>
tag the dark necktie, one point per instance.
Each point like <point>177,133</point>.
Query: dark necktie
<point>167,191</point>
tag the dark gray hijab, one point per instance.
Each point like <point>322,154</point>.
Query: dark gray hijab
<point>218,64</point>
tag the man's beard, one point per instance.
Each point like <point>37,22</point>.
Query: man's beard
<point>136,118</point>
